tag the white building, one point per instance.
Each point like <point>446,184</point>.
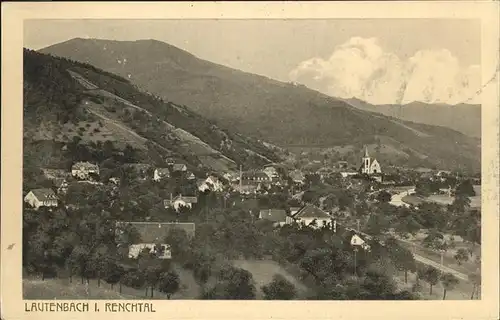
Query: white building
<point>310,213</point>
<point>180,201</point>
<point>160,174</point>
<point>83,170</point>
<point>41,198</point>
<point>370,165</point>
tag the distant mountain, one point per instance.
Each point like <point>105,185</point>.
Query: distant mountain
<point>282,113</point>
<point>465,118</point>
<point>66,100</point>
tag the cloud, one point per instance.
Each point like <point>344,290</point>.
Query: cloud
<point>361,68</point>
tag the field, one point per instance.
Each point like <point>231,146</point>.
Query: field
<point>61,288</point>
<point>263,272</point>
<point>475,202</point>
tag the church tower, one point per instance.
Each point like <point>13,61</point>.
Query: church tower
<point>366,162</point>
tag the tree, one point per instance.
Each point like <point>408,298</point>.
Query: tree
<point>403,259</point>
<point>78,260</point>
<point>134,279</point>
<point>114,275</point>
<point>153,275</point>
<point>169,283</point>
<point>461,256</point>
<point>279,289</point>
<point>432,277</point>
<point>475,278</point>
<point>434,240</point>
<point>384,196</point>
<point>234,284</point>
<point>449,282</point>
<point>178,240</point>
<point>465,188</point>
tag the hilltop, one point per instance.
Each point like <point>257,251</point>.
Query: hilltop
<point>284,114</point>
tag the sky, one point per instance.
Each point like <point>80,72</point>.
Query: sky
<point>377,60</point>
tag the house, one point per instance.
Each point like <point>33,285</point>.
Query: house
<point>41,198</point>
<point>271,172</point>
<point>83,170</point>
<point>214,183</point>
<point>369,165</point>
<point>255,176</point>
<point>294,210</point>
<point>61,185</point>
<point>342,165</point>
<point>190,176</point>
<point>276,216</point>
<point>180,201</point>
<point>246,188</point>
<point>310,213</point>
<point>346,174</point>
<point>202,185</point>
<point>297,177</point>
<point>230,176</point>
<point>170,161</point>
<point>152,236</point>
<point>179,167</point>
<point>160,174</point>
<point>211,183</point>
<point>59,178</point>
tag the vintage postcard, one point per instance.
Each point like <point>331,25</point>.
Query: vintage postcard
<point>250,160</point>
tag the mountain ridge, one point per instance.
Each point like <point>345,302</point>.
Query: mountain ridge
<point>282,113</point>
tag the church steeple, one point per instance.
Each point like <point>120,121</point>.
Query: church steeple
<point>366,153</point>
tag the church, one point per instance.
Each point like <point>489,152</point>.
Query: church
<point>370,165</point>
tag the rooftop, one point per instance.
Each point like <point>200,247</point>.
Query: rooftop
<point>275,215</point>
<point>154,232</point>
<point>44,194</point>
<point>310,211</point>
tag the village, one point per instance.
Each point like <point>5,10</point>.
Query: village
<point>333,198</point>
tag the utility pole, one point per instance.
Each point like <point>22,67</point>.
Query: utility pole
<point>442,257</point>
<point>355,260</point>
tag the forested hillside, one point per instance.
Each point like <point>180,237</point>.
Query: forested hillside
<point>68,102</point>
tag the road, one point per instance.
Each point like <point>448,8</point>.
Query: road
<point>438,266</point>
<point>397,199</point>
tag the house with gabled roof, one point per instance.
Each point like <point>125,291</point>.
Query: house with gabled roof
<point>276,216</point>
<point>297,176</point>
<point>309,213</point>
<point>84,169</point>
<point>152,236</point>
<point>179,167</point>
<point>41,198</point>
<point>180,201</point>
<point>160,174</point>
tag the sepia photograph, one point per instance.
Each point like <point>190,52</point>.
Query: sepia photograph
<point>334,159</point>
